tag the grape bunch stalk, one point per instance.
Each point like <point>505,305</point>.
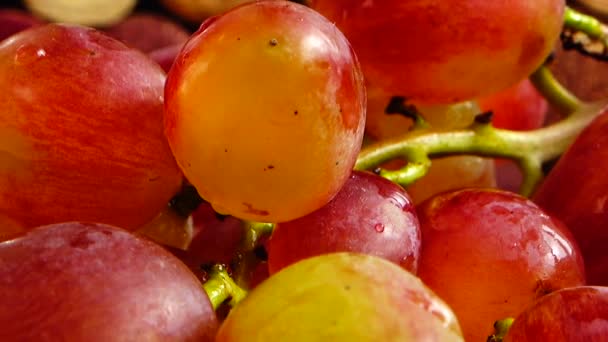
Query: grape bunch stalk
<point>300,170</point>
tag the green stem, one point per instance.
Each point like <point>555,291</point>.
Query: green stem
<point>529,149</point>
<point>554,92</point>
<point>246,259</point>
<point>254,231</point>
<point>219,287</point>
<point>584,23</point>
<point>501,328</point>
<point>585,34</point>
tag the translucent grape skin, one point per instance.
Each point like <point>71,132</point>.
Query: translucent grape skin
<point>447,51</point>
<point>273,91</point>
<point>572,314</point>
<point>575,192</point>
<point>490,253</point>
<point>341,297</point>
<point>81,133</point>
<point>370,215</point>
<point>92,282</point>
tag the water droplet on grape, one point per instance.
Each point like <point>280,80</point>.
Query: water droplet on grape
<point>27,54</point>
<point>379,227</point>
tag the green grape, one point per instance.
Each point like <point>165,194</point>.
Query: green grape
<point>341,297</point>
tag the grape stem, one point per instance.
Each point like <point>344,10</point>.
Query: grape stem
<point>585,34</point>
<point>529,149</point>
<point>501,328</point>
<point>220,287</point>
<point>246,258</point>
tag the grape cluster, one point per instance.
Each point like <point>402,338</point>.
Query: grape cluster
<point>321,170</point>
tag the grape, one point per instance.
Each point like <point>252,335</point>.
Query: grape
<point>489,254</point>
<point>81,130</point>
<point>265,111</point>
<point>13,21</point>
<point>196,11</point>
<point>341,297</point>
<point>447,51</point>
<point>92,282</point>
<point>215,240</point>
<point>148,32</point>
<point>83,12</point>
<point>573,314</point>
<point>575,191</point>
<point>446,173</point>
<point>369,215</point>
<point>520,107</point>
<point>166,56</point>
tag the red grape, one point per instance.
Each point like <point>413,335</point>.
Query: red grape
<point>447,51</point>
<point>13,21</point>
<point>489,254</point>
<point>148,32</point>
<point>573,314</point>
<point>215,240</point>
<point>369,215</point>
<point>92,282</point>
<point>166,56</point>
<point>576,191</point>
<point>81,130</point>
<point>520,107</point>
<point>265,111</point>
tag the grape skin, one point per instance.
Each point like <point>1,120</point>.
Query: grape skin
<point>81,130</point>
<point>490,253</point>
<point>283,104</point>
<point>341,297</point>
<point>447,51</point>
<point>369,215</point>
<point>92,282</point>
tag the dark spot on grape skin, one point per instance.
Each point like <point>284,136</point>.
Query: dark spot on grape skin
<point>542,288</point>
<point>260,253</point>
<point>295,112</point>
<point>273,42</point>
<point>484,118</point>
<point>251,210</point>
<point>225,150</point>
<point>81,241</point>
<point>347,287</point>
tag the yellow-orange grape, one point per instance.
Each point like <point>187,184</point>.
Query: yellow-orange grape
<point>265,111</point>
<point>447,51</point>
<point>445,173</point>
